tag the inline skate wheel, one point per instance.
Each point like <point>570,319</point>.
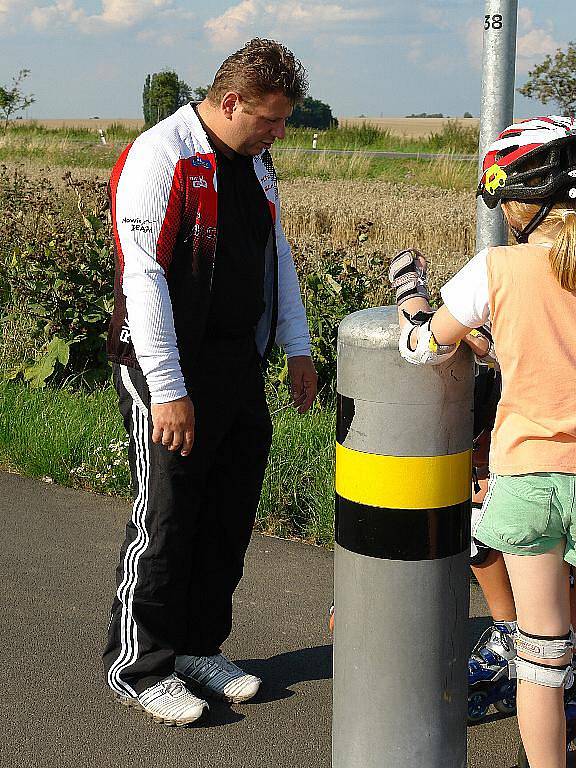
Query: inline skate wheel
<point>506,706</point>
<point>477,706</point>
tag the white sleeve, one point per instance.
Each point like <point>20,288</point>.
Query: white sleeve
<point>292,328</point>
<point>466,294</point>
<point>142,197</point>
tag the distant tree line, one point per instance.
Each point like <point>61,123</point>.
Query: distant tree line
<point>164,92</point>
<point>312,113</point>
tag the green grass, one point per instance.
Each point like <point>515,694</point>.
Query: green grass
<point>27,131</point>
<point>81,148</point>
<point>77,439</point>
<point>442,173</point>
<point>454,137</point>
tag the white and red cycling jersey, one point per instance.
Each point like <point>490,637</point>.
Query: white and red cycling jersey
<point>163,195</point>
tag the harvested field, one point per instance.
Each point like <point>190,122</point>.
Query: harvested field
<point>367,218</point>
<point>410,127</point>
<point>357,217</point>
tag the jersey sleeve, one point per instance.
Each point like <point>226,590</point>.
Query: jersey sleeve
<point>147,220</point>
<point>292,329</point>
<point>466,294</point>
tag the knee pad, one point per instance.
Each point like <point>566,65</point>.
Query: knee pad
<point>545,648</point>
<point>541,674</point>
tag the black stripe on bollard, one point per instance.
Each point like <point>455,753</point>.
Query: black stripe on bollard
<point>345,409</point>
<point>402,534</point>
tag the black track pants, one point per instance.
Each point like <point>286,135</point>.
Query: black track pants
<point>192,518</point>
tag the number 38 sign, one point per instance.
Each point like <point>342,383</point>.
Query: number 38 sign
<point>493,21</point>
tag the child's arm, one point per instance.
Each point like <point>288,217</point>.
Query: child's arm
<point>415,316</point>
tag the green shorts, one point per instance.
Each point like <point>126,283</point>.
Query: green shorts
<point>529,514</point>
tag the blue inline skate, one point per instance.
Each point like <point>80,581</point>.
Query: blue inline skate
<point>488,680</point>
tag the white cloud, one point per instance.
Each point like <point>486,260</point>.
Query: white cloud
<point>473,34</point>
<point>55,15</point>
<point>297,16</point>
<point>415,49</point>
<point>525,19</point>
<point>228,29</point>
<point>128,12</point>
<point>114,14</point>
<point>302,14</point>
<point>10,14</point>
<point>534,42</point>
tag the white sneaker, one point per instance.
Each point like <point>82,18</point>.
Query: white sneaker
<point>168,702</point>
<point>219,677</point>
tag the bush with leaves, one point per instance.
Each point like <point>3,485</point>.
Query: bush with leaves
<point>57,265</point>
<point>334,283</point>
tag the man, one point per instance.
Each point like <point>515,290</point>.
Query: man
<point>205,284</point>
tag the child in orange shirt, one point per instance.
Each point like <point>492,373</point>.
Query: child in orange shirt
<point>529,293</point>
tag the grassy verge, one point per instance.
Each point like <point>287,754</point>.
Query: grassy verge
<point>443,173</point>
<point>81,148</point>
<point>77,439</point>
<point>453,137</point>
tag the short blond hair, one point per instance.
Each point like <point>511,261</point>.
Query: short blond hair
<point>560,226</point>
<point>260,67</point>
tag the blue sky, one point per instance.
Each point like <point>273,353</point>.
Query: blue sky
<point>372,57</point>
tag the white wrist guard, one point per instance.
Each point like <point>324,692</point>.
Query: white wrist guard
<point>407,275</point>
<point>489,357</point>
<point>427,350</point>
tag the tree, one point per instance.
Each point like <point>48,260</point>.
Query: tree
<point>554,79</point>
<point>146,101</point>
<point>312,113</point>
<point>184,93</point>
<point>200,92</point>
<point>12,99</point>
<point>163,94</point>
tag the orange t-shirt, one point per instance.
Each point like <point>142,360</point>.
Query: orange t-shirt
<point>534,330</point>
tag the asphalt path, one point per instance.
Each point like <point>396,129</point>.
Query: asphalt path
<point>59,549</point>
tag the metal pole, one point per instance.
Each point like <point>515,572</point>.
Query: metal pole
<point>401,559</point>
<point>498,75</point>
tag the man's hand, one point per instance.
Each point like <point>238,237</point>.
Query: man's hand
<point>303,381</point>
<point>173,424</point>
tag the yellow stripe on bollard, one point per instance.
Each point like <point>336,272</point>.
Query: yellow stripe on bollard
<point>403,482</point>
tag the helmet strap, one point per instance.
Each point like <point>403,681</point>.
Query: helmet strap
<point>522,235</point>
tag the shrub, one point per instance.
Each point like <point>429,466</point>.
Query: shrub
<point>58,270</point>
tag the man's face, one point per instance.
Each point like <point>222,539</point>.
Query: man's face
<point>256,125</point>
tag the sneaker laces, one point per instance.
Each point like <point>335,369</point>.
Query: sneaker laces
<point>211,666</point>
<point>174,687</point>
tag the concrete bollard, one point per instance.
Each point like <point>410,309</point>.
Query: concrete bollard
<point>403,486</point>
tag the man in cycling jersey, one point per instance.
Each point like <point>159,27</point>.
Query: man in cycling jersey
<point>205,286</point>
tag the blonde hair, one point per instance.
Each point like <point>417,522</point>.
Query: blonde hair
<point>560,226</point>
